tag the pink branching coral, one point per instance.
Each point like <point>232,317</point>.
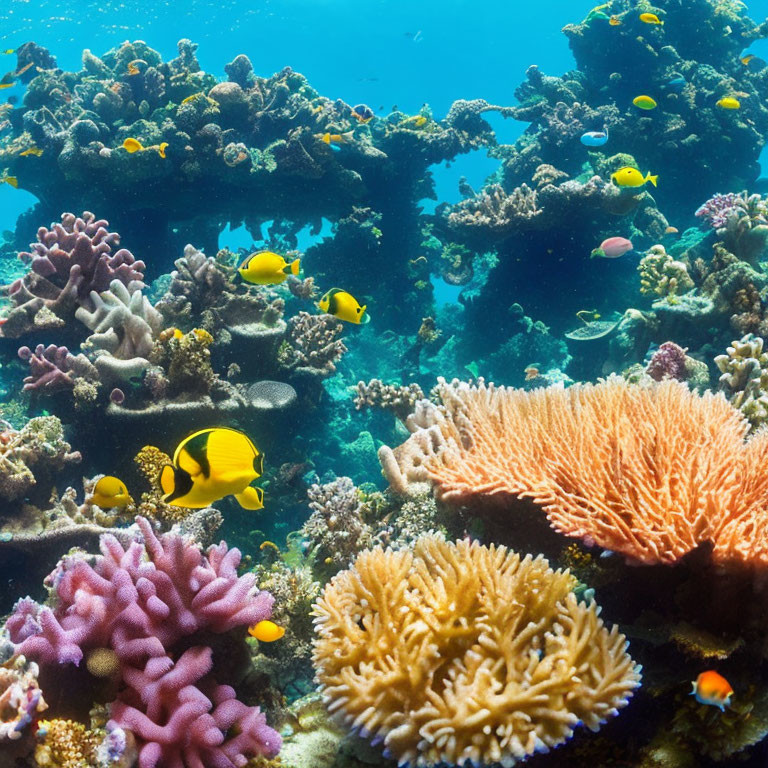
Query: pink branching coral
<point>52,368</point>
<point>67,263</point>
<point>139,601</point>
<point>715,211</point>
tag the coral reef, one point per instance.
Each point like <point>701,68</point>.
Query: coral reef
<point>313,346</point>
<point>647,471</point>
<point>744,379</point>
<point>141,608</point>
<point>399,400</point>
<point>20,697</point>
<point>449,653</point>
<point>663,276</point>
<point>740,222</point>
<point>69,264</point>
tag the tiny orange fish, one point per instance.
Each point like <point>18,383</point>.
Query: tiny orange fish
<point>713,689</point>
<point>671,231</point>
<point>133,69</point>
<point>24,68</point>
<point>531,372</point>
<point>614,21</point>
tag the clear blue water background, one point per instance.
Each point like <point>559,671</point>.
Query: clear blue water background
<point>381,52</point>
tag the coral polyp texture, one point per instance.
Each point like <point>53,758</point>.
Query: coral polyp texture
<point>452,653</point>
<point>139,601</point>
<point>649,471</point>
<point>68,263</point>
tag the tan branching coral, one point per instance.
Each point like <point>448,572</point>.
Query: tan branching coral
<point>661,275</point>
<point>744,380</point>
<point>455,652</point>
<point>650,471</point>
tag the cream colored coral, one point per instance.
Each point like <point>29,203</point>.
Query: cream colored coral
<point>650,471</point>
<point>454,652</point>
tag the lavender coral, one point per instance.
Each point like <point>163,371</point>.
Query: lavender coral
<point>140,600</point>
<point>67,263</point>
<point>52,368</point>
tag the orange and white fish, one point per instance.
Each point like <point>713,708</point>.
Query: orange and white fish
<point>713,689</point>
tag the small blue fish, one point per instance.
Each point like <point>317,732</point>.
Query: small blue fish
<point>676,84</point>
<point>594,138</point>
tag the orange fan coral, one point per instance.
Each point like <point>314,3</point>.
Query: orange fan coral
<point>647,471</point>
<point>459,652</point>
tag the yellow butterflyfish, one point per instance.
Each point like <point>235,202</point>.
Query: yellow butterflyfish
<point>267,268</point>
<point>211,464</point>
<point>266,631</point>
<point>344,306</point>
<point>110,492</point>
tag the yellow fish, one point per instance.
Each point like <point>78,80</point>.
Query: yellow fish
<point>728,102</point>
<point>267,268</point>
<point>109,492</point>
<point>193,97</point>
<point>132,145</point>
<point>161,147</point>
<point>9,51</point>
<point>651,18</point>
<point>266,631</point>
<point>344,306</point>
<point>417,121</point>
<point>5,85</point>
<point>336,138</point>
<point>10,180</point>
<point>36,151</point>
<point>631,177</point>
<point>178,334</point>
<point>614,21</point>
<point>644,102</point>
<point>133,69</point>
<point>211,464</point>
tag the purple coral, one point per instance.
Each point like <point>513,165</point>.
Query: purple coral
<point>668,362</point>
<point>53,369</point>
<point>69,261</point>
<point>140,601</point>
<point>716,210</point>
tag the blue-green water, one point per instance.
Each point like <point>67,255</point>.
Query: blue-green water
<point>383,198</point>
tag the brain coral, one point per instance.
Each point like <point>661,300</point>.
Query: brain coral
<point>455,652</point>
<point>648,471</point>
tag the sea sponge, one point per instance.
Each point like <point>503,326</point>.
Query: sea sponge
<point>454,652</point>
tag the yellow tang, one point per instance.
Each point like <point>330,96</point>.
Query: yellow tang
<point>132,145</point>
<point>11,181</point>
<point>267,268</point>
<point>8,51</point>
<point>5,85</point>
<point>266,631</point>
<point>110,492</point>
<point>161,147</point>
<point>211,464</point>
<point>344,306</point>
<point>728,102</point>
<point>650,18</point>
<point>631,177</point>
<point>36,151</point>
<point>644,102</point>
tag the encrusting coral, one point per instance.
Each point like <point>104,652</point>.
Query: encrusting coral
<point>663,276</point>
<point>647,470</point>
<point>449,653</point>
<point>744,379</point>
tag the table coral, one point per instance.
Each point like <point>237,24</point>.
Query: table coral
<point>449,653</point>
<point>648,471</point>
<point>67,263</point>
<point>141,600</point>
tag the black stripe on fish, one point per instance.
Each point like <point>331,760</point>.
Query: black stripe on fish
<point>197,448</point>
<point>182,485</point>
<point>333,304</point>
<point>258,464</point>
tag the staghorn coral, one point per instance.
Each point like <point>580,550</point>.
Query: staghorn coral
<point>650,471</point>
<point>449,653</point>
<point>399,400</point>
<point>336,530</point>
<point>69,262</point>
<point>20,697</point>
<point>661,275</point>
<point>313,347</point>
<point>744,379</point>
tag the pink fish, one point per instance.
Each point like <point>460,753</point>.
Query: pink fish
<point>612,248</point>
